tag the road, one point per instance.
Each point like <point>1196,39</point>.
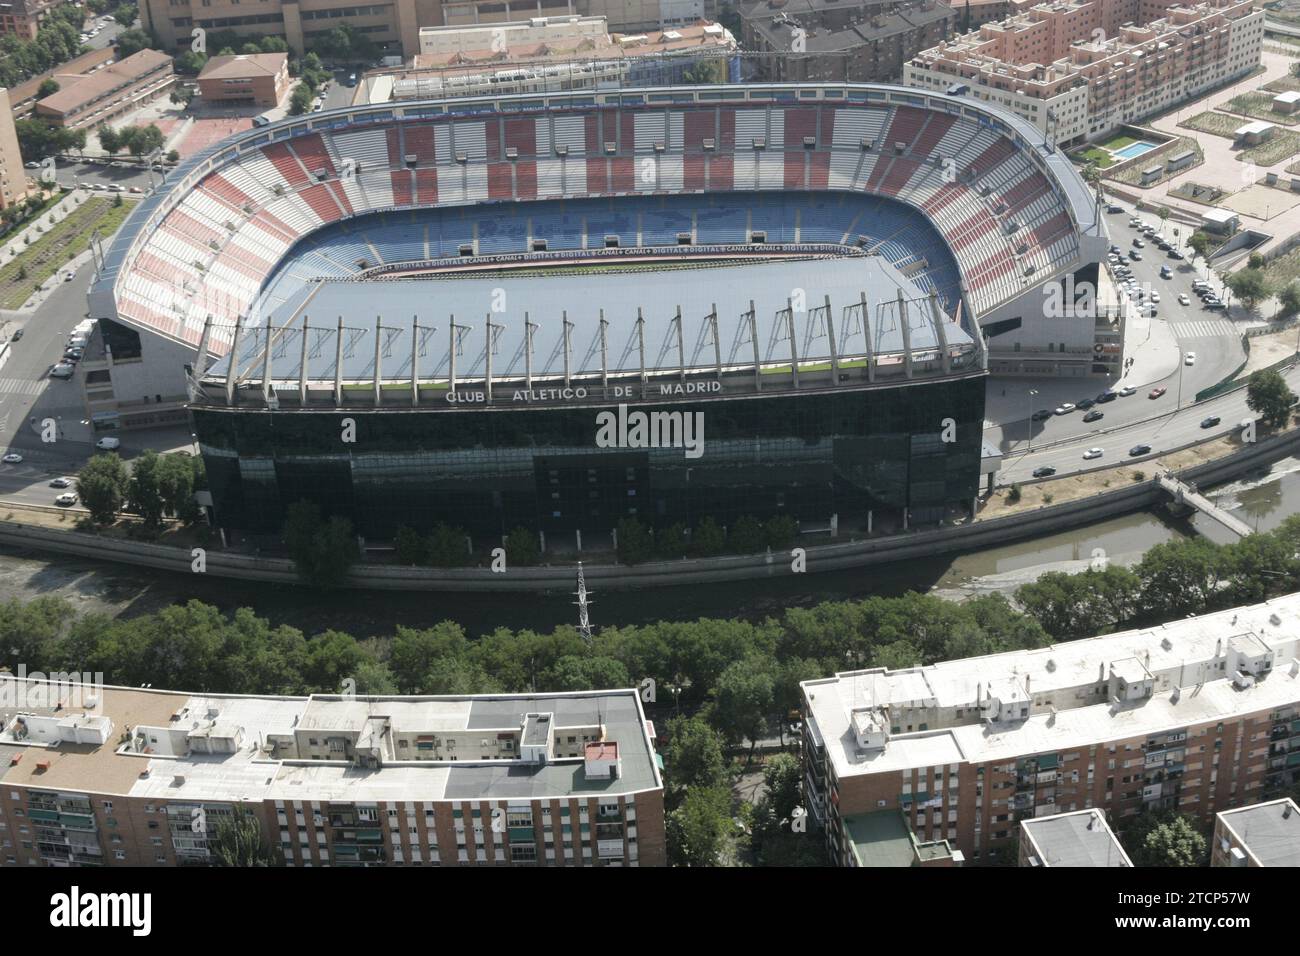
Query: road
<point>108,33</point>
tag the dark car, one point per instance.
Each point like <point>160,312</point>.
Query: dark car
<point>1042,415</point>
<point>1139,450</point>
<point>1044,472</point>
<point>1094,416</point>
<point>1085,403</point>
<point>18,334</point>
<point>1105,397</point>
<point>1211,421</point>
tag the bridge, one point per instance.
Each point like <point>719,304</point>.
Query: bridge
<point>1185,494</point>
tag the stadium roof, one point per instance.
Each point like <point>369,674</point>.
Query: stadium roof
<point>583,299</point>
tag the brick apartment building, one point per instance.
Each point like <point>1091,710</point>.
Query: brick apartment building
<point>22,18</point>
<point>863,41</point>
<point>94,99</point>
<point>1198,715</point>
<point>1080,69</point>
<point>120,778</point>
<point>261,79</point>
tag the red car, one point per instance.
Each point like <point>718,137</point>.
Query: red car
<point>1157,392</point>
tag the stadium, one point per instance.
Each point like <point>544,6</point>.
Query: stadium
<point>422,313</point>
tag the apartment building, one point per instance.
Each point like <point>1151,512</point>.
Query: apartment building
<point>620,14</point>
<point>23,18</point>
<point>1265,834</point>
<point>1198,715</point>
<point>95,98</point>
<point>393,25</point>
<point>554,53</point>
<point>866,41</point>
<point>138,777</point>
<point>13,177</point>
<point>1080,69</point>
<point>1081,838</point>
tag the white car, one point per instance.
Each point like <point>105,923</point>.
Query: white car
<point>1064,409</point>
<point>1190,359</point>
<point>1183,299</point>
<point>1127,390</point>
<point>1092,453</point>
<point>1155,296</point>
<point>12,458</point>
<point>61,483</point>
<point>66,499</point>
<point>108,444</point>
<point>63,370</point>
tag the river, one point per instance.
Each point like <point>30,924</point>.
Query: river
<point>1262,501</point>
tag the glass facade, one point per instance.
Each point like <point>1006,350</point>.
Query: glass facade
<point>847,452</point>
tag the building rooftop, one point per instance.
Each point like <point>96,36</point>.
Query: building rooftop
<point>78,92</point>
<point>242,66</point>
<point>776,22</point>
<point>169,744</point>
<point>883,839</point>
<point>1115,687</point>
<point>1081,838</point>
<point>1269,832</point>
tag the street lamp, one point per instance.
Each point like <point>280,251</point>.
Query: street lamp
<point>1029,422</point>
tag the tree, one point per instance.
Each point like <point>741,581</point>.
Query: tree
<point>1200,243</point>
<point>697,830</point>
<point>126,14</point>
<point>746,536</point>
<point>182,95</point>
<point>693,757</point>
<point>132,41</point>
<point>300,101</point>
<point>190,63</point>
<point>634,542</point>
<point>323,551</point>
<point>1249,285</point>
<point>1163,213</point>
<point>102,485</point>
<point>1164,838</point>
<point>780,531</point>
<point>109,139</point>
<point>49,86</point>
<point>411,548</point>
<point>703,73</point>
<point>522,548</point>
<point>708,538</point>
<point>237,840</point>
<point>745,695</point>
<point>1269,397</point>
<point>144,495</point>
<point>173,156</point>
<point>1289,299</point>
<point>446,547</point>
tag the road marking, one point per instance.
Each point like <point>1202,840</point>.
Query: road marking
<point>18,386</point>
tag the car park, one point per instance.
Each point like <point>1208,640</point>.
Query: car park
<point>1137,450</point>
<point>61,483</point>
<point>1135,222</point>
<point>108,444</point>
<point>1094,416</point>
<point>1211,421</point>
<point>1157,391</point>
<point>1064,408</point>
<point>1092,453</point>
<point>1045,471</point>
<point>66,500</point>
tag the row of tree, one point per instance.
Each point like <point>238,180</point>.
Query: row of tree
<point>156,486</point>
<point>56,42</point>
<point>136,140</point>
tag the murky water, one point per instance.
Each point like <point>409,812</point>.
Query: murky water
<point>1262,501</point>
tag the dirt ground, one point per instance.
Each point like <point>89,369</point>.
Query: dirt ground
<point>1267,349</point>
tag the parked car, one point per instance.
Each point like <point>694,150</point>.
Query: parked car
<point>1211,421</point>
<point>1084,404</point>
<point>1128,390</point>
<point>62,370</point>
<point>1175,254</point>
<point>65,500</point>
<point>12,458</point>
<point>1138,243</point>
<point>1190,359</point>
<point>1157,391</point>
<point>1092,453</point>
<point>1064,408</point>
<point>1155,296</point>
<point>1183,299</point>
<point>1046,471</point>
<point>18,334</point>
<point>1094,416</point>
<point>61,483</point>
<point>1107,396</point>
<point>135,189</point>
<point>1042,415</point>
<point>1135,256</point>
<point>108,444</point>
<point>1137,450</point>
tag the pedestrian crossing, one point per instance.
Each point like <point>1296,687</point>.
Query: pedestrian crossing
<point>21,386</point>
<point>1204,329</point>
